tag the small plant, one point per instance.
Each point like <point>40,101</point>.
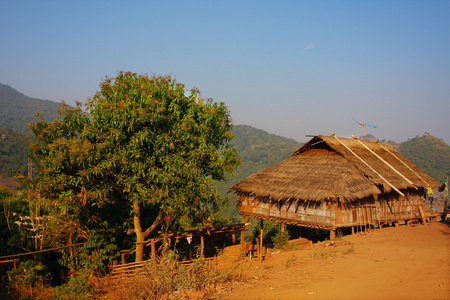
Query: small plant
<point>280,240</point>
<point>290,261</point>
<point>350,250</point>
<point>29,275</point>
<point>78,287</point>
<point>93,256</point>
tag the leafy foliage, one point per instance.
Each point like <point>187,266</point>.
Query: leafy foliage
<point>271,230</point>
<point>28,275</point>
<point>25,224</point>
<point>14,151</point>
<point>99,249</point>
<point>280,240</point>
<point>78,287</point>
<point>143,144</point>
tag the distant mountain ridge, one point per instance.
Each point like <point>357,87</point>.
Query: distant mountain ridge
<point>16,109</point>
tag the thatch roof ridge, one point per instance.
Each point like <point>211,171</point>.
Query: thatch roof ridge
<point>316,175</point>
<point>376,159</point>
<point>328,167</point>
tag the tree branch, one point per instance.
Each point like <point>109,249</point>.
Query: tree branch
<point>153,226</point>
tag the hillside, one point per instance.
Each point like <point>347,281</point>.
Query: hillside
<point>14,152</point>
<point>430,154</point>
<point>16,109</point>
<point>257,149</point>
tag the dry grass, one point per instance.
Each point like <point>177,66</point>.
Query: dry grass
<point>167,278</point>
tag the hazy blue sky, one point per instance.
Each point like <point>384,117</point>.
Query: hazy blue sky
<point>292,68</point>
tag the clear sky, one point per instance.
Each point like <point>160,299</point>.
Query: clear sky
<point>292,68</point>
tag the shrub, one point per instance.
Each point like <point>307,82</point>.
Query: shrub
<point>78,287</point>
<point>93,256</point>
<point>280,240</point>
<point>28,275</point>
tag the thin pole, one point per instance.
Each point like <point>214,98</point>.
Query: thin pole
<point>261,241</point>
<point>446,195</point>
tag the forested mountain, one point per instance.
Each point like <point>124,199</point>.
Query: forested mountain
<point>257,150</point>
<point>430,154</point>
<point>14,153</point>
<point>16,109</point>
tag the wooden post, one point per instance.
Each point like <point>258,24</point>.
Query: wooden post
<point>332,234</point>
<point>152,249</point>
<point>123,258</point>
<point>242,236</point>
<point>385,211</point>
<point>258,248</point>
<point>202,245</point>
<point>368,218</point>
<point>261,241</point>
<point>282,227</point>
<point>422,215</point>
<point>411,209</point>
<point>359,227</point>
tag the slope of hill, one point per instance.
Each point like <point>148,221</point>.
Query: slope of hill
<point>430,154</point>
<point>257,149</point>
<point>14,153</point>
<point>16,109</point>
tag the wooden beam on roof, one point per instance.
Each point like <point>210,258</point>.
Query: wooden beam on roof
<point>357,156</point>
<point>388,164</point>
<point>404,163</point>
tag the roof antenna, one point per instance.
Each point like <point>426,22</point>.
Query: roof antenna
<point>362,128</point>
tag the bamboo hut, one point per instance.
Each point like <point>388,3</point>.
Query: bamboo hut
<point>333,183</point>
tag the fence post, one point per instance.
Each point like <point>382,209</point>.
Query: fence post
<point>152,249</point>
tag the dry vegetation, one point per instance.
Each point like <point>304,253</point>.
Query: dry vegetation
<point>407,262</point>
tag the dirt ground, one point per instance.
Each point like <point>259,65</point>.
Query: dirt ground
<point>407,262</point>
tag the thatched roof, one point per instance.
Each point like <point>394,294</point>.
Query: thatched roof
<point>331,168</point>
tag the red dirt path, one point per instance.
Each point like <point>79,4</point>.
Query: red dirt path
<point>393,263</point>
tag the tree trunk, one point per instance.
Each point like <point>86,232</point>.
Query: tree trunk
<point>138,231</point>
<point>140,236</point>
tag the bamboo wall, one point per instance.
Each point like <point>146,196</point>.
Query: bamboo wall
<point>290,213</point>
<point>379,210</point>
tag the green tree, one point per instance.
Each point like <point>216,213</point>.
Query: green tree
<point>144,148</point>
